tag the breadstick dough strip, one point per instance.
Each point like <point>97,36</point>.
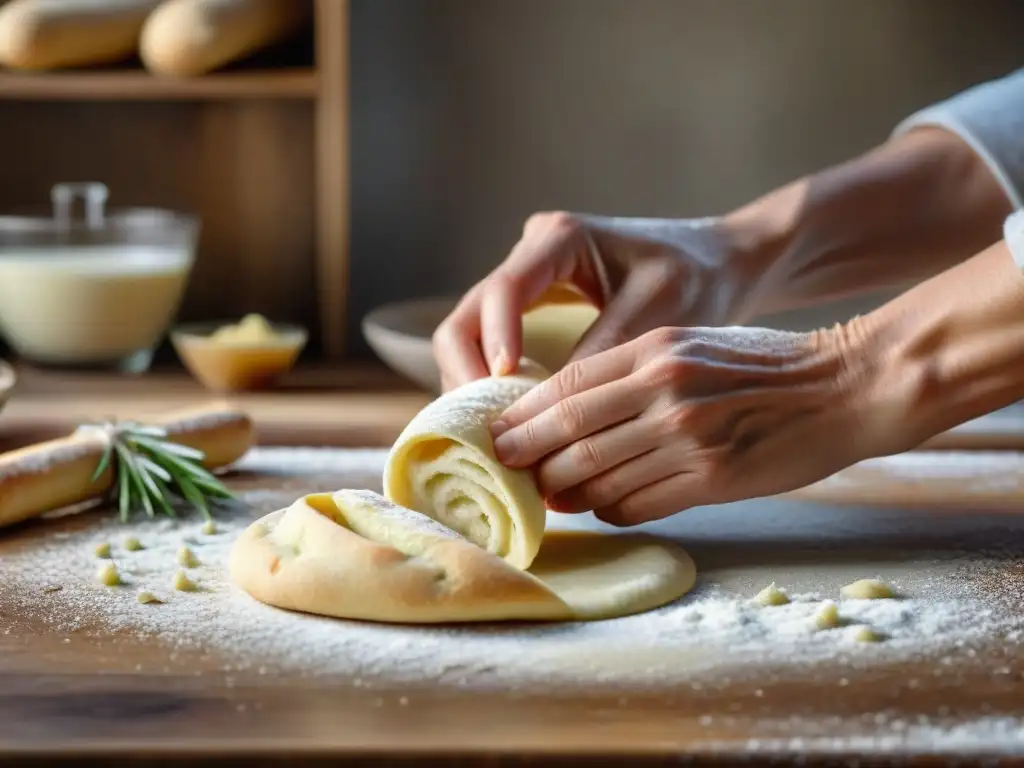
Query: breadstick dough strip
<point>443,465</point>
<point>50,34</point>
<point>58,473</point>
<point>193,37</point>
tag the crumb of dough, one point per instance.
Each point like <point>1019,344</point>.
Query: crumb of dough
<point>108,576</point>
<point>183,583</point>
<point>145,596</point>
<point>187,558</point>
<point>209,528</point>
<point>827,616</point>
<point>132,544</point>
<point>771,595</point>
<point>867,635</point>
<point>867,589</point>
<point>103,549</point>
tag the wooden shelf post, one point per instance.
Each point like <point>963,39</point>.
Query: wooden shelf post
<point>332,173</point>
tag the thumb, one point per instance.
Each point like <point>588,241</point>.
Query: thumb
<point>540,261</point>
<point>646,300</point>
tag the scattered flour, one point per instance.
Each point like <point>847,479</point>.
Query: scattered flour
<point>715,633</point>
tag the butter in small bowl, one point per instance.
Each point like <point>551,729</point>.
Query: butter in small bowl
<point>236,357</point>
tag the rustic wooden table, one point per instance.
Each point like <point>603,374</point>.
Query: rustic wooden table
<point>125,701</point>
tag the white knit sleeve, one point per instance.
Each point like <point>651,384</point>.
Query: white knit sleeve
<point>990,118</point>
<point>1013,234</point>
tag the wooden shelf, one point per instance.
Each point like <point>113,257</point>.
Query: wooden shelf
<point>138,85</point>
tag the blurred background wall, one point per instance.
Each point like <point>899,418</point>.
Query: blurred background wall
<point>470,114</point>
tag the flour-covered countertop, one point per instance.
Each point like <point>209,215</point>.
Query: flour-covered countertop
<point>82,664</point>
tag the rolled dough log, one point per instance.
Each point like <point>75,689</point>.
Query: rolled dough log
<point>50,34</point>
<point>193,37</point>
<point>443,466</point>
<point>355,555</point>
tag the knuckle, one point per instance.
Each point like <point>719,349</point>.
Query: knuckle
<point>530,435</point>
<point>569,416</point>
<point>661,337</point>
<point>668,371</point>
<point>694,348</point>
<point>569,380</point>
<point>587,456</point>
<point>678,420</point>
<point>557,221</point>
<point>442,337</point>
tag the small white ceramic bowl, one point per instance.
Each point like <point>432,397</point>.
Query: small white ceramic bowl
<point>400,335</point>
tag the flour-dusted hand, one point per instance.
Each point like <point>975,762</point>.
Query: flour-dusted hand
<point>642,274</point>
<point>686,417</point>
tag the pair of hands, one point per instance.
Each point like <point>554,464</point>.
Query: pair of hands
<point>661,408</point>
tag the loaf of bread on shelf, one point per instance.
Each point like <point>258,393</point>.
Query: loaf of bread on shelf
<point>54,34</point>
<point>193,37</point>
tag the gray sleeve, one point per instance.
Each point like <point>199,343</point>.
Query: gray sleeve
<point>990,118</point>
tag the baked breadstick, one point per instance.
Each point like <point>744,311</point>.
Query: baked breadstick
<point>192,37</point>
<point>55,474</point>
<point>50,34</point>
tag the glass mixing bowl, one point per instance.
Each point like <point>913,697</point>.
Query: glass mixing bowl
<point>99,291</point>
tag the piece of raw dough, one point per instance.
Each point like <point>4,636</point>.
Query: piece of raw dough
<point>771,596</point>
<point>354,554</point>
<point>867,589</point>
<point>827,616</point>
<point>455,538</point>
<point>443,465</point>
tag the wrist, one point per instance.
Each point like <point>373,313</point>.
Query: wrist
<point>758,236</point>
<point>900,213</point>
<point>947,351</point>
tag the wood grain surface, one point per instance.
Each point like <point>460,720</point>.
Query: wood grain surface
<point>115,700</point>
<point>351,405</point>
<point>354,406</point>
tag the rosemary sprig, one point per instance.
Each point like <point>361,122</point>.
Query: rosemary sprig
<point>151,472</point>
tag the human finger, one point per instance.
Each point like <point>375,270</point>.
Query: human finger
<point>610,487</point>
<point>602,453</point>
<point>456,344</point>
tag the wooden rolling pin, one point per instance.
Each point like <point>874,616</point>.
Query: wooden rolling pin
<point>193,37</point>
<point>58,473</point>
<point>50,34</point>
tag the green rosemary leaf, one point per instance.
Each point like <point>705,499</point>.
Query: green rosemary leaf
<point>104,463</point>
<point>151,470</point>
<point>123,494</point>
<point>164,447</point>
<point>215,489</point>
<point>164,498</point>
<point>190,468</point>
<point>152,467</point>
<point>135,474</point>
<point>193,495</point>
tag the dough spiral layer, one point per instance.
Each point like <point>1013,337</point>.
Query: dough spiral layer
<point>443,466</point>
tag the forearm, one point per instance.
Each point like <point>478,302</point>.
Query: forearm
<point>905,211</point>
<point>946,351</point>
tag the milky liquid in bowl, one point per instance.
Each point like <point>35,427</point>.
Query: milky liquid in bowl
<point>89,304</point>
